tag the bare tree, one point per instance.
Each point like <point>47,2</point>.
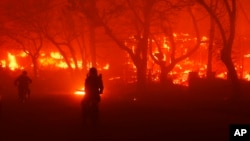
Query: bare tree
<point>87,10</point>
<point>176,54</point>
<point>128,24</point>
<point>66,32</point>
<point>23,25</point>
<point>107,14</point>
<point>31,46</point>
<point>211,42</point>
<point>224,17</point>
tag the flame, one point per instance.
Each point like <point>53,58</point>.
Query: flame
<point>3,63</point>
<point>106,67</point>
<point>179,74</point>
<point>62,64</point>
<point>12,62</point>
<point>247,77</point>
<point>56,55</point>
<point>23,54</point>
<point>80,92</point>
<point>204,38</point>
<point>222,75</point>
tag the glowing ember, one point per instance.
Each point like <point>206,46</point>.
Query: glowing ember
<point>106,67</point>
<point>247,77</point>
<point>247,56</point>
<point>80,92</point>
<point>42,54</point>
<point>115,78</point>
<point>204,38</point>
<point>222,75</point>
<point>134,99</point>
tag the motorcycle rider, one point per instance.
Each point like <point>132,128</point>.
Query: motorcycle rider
<point>22,82</point>
<point>93,89</point>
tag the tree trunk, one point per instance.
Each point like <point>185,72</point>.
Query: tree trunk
<point>210,50</point>
<point>92,44</point>
<point>142,57</point>
<point>227,52</point>
<point>232,74</point>
<point>73,55</point>
<point>163,74</point>
<point>61,52</point>
<point>141,75</point>
<point>35,65</point>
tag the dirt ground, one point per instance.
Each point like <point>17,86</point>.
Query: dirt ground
<point>124,117</point>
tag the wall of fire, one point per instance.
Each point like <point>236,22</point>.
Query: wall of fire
<point>18,60</point>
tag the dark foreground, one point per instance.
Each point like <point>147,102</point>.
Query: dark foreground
<point>156,117</point>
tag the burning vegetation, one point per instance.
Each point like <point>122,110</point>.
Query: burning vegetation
<point>134,41</point>
<point>179,74</point>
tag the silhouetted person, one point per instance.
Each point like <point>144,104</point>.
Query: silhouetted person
<point>93,89</point>
<point>22,82</point>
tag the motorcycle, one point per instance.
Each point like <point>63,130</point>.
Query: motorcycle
<point>24,94</point>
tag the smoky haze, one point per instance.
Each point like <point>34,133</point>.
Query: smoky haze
<point>161,63</point>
